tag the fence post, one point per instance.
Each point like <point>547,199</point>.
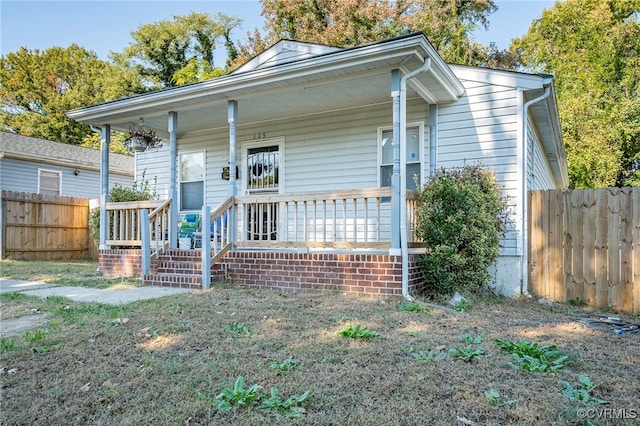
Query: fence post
<point>145,236</point>
<point>205,227</point>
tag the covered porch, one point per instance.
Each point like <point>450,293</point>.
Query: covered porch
<point>308,228</point>
<point>291,84</point>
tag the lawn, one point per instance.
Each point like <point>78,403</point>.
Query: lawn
<point>362,361</point>
<point>70,272</point>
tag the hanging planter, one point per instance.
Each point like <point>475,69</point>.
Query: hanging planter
<point>141,138</point>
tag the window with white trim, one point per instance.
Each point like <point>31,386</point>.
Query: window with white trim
<point>192,172</point>
<point>414,167</point>
<point>49,182</point>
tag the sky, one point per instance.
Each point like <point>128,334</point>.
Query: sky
<point>105,26</point>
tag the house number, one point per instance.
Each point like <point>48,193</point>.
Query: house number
<point>259,135</point>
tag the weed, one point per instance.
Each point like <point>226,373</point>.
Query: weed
<point>285,365</point>
<point>531,357</point>
<point>412,307</point>
<point>34,337</point>
<point>470,340</point>
<point>358,332</point>
<point>229,398</point>
<point>494,397</point>
<point>462,306</point>
<point>11,296</point>
<point>7,344</point>
<point>537,365</point>
<point>287,408</point>
<point>468,353</point>
<point>238,329</point>
<point>427,357</point>
<point>582,391</point>
<point>414,333</point>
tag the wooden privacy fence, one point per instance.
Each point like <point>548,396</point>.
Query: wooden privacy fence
<point>44,227</point>
<point>584,246</point>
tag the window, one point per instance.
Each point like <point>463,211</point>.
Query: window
<point>49,182</point>
<point>192,181</point>
<point>263,168</point>
<point>413,156</point>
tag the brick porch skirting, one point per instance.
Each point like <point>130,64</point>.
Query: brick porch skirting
<point>361,274</point>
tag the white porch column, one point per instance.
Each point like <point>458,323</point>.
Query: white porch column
<point>395,177</point>
<point>105,140</point>
<point>233,186</point>
<point>233,121</point>
<point>173,189</point>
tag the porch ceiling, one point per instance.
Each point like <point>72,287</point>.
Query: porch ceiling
<point>343,79</point>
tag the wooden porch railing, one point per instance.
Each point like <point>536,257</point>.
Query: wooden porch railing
<point>341,219</point>
<point>123,222</point>
<point>159,223</point>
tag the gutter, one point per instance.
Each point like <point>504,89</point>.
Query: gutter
<point>404,246</point>
<point>524,259</point>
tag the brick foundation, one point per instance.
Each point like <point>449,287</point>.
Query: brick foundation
<point>120,263</point>
<point>362,274</point>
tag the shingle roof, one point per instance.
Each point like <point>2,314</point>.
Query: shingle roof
<point>41,150</point>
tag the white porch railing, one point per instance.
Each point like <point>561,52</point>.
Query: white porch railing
<point>343,219</point>
<point>356,219</point>
<point>123,221</point>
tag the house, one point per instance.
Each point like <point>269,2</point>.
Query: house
<point>41,166</point>
<point>311,152</point>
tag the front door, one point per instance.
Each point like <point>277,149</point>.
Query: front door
<point>263,165</point>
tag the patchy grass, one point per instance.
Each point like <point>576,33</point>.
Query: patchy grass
<point>167,361</point>
<point>67,272</point>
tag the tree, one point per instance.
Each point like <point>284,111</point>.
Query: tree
<point>37,87</point>
<point>448,24</point>
<point>592,47</point>
<point>181,50</point>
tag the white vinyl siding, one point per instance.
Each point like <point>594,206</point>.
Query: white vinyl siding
<point>539,173</point>
<point>481,128</point>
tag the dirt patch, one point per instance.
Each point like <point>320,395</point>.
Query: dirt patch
<point>16,326</point>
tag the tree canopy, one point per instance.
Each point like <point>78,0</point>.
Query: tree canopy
<point>37,87</point>
<point>180,51</point>
<point>592,47</point>
<point>448,25</point>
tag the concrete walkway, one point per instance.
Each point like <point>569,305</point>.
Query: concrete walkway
<point>84,294</point>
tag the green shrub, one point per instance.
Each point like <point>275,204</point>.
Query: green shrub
<point>461,221</point>
<point>139,191</point>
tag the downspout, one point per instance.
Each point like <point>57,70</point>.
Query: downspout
<point>524,259</point>
<point>404,246</point>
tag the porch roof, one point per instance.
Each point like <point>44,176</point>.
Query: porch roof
<point>333,80</point>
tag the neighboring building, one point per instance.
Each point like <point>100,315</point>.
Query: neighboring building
<point>45,167</point>
<point>303,122</point>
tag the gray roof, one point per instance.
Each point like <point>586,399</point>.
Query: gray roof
<point>13,145</point>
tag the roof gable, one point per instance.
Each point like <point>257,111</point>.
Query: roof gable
<point>14,145</point>
<point>283,52</point>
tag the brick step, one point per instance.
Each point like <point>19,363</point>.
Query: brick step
<point>168,266</point>
<point>174,280</point>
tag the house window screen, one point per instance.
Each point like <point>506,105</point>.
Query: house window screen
<point>49,182</point>
<point>263,168</point>
<point>413,157</point>
<point>192,181</point>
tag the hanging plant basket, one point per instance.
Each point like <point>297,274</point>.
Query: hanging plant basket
<point>136,144</point>
<point>141,139</point>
